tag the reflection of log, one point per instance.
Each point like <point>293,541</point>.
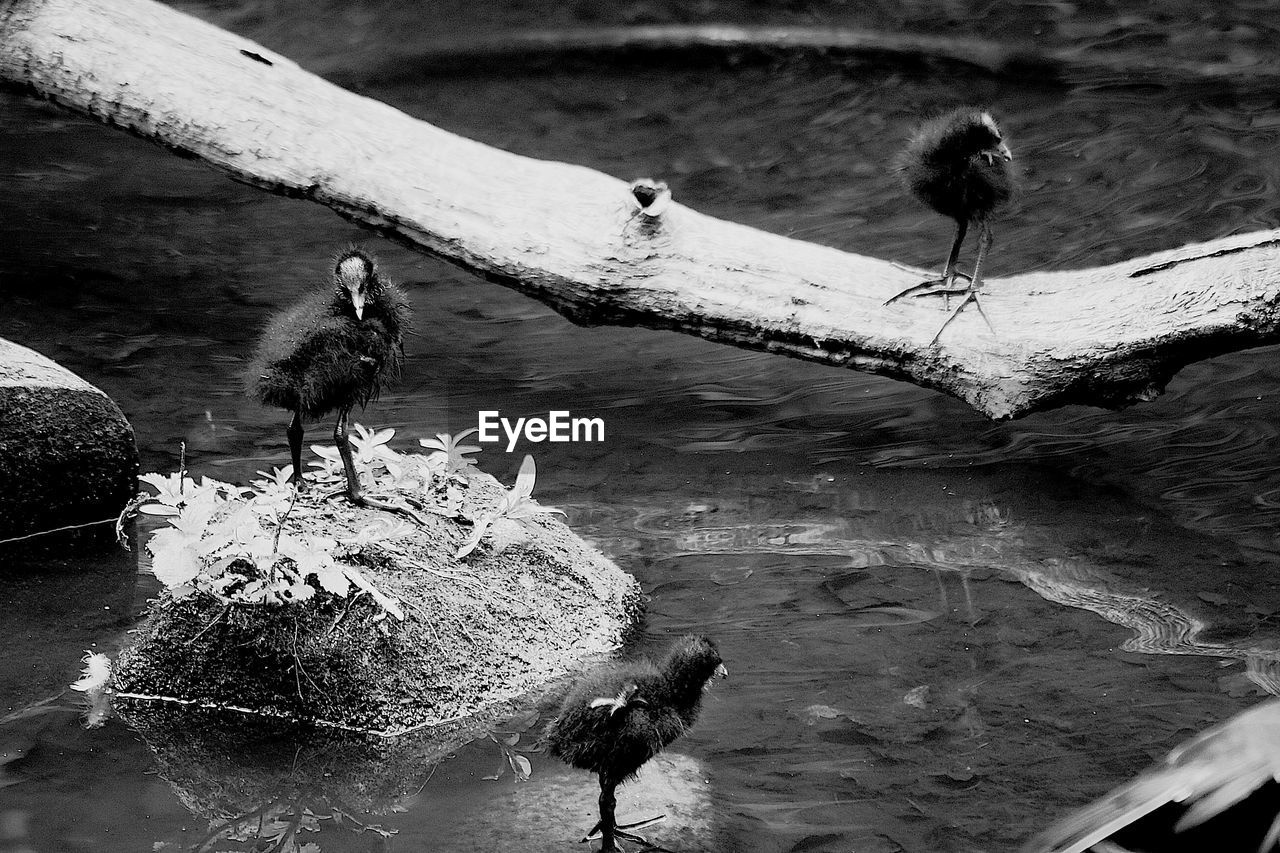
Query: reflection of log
<point>566,235</point>
<point>497,53</point>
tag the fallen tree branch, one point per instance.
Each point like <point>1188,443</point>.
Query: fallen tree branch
<point>570,236</point>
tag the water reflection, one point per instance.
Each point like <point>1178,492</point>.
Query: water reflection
<point>288,789</point>
<point>979,539</point>
<point>282,788</point>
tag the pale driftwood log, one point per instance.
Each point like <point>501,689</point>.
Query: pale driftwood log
<point>569,236</point>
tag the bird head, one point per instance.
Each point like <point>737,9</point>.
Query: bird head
<point>356,276</point>
<point>993,144</point>
<point>692,663</point>
<point>974,133</point>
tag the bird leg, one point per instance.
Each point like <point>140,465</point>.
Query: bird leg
<point>609,828</point>
<point>348,464</point>
<point>946,284</point>
<point>353,481</point>
<point>608,824</point>
<point>985,238</point>
<point>295,448</point>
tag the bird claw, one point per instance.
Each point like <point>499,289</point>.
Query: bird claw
<point>924,288</point>
<point>970,296</point>
<point>640,824</point>
<point>620,831</point>
<point>945,286</point>
<point>366,501</point>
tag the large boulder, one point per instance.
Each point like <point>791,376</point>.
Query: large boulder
<point>67,454</point>
<point>426,636</point>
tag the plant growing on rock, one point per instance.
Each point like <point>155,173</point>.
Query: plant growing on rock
<point>231,543</point>
<point>174,491</point>
<point>94,684</point>
<point>371,455</point>
<point>516,504</point>
<point>216,544</point>
<point>450,455</point>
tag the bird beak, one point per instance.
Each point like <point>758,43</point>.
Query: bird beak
<point>357,302</point>
<point>1002,151</point>
<point>721,671</point>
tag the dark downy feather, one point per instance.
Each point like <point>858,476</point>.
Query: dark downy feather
<point>943,165</point>
<point>316,356</point>
<point>646,707</point>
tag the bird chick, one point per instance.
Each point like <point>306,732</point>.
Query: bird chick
<point>331,351</point>
<point>958,164</point>
<point>617,717</point>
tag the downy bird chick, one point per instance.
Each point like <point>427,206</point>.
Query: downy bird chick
<point>959,165</point>
<point>617,717</point>
<point>331,351</point>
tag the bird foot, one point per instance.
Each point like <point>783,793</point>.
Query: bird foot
<point>620,831</point>
<point>374,503</point>
<point>970,295</point>
<point>945,286</point>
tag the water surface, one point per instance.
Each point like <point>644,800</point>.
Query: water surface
<point>940,630</point>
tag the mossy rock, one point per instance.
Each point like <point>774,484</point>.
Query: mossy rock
<point>67,454</point>
<point>530,605</point>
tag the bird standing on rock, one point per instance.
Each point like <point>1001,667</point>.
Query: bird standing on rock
<point>331,351</point>
<point>958,164</point>
<point>617,717</point>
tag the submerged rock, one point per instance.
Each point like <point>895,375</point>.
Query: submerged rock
<point>67,454</point>
<point>423,638</point>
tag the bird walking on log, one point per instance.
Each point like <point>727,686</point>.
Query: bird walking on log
<point>331,351</point>
<point>958,164</point>
<point>1219,791</point>
<point>617,717</point>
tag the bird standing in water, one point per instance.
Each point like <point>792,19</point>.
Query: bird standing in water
<point>617,717</point>
<point>958,164</point>
<point>331,351</point>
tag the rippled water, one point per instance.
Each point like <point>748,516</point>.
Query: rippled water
<point>940,630</point>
